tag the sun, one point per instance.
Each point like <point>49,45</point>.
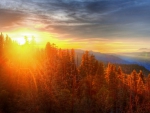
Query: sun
<point>21,41</point>
<point>40,37</point>
<point>20,34</point>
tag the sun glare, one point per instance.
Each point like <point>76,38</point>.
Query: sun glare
<point>19,35</point>
<point>40,37</point>
<point>21,41</point>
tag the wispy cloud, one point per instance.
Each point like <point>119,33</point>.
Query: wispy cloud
<point>90,19</point>
<point>9,18</point>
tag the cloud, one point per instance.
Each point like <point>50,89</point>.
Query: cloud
<point>97,18</point>
<point>81,18</point>
<point>144,50</point>
<point>10,17</point>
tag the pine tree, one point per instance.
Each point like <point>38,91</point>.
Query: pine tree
<point>93,65</point>
<point>1,49</point>
<point>1,44</point>
<point>99,79</point>
<point>112,81</point>
<point>84,68</point>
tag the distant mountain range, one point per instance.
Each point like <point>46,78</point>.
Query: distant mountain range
<point>139,58</point>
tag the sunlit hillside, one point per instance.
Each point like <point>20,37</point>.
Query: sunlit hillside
<point>54,80</point>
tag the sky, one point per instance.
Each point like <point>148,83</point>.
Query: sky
<point>106,26</point>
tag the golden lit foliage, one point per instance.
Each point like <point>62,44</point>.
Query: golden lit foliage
<point>52,80</point>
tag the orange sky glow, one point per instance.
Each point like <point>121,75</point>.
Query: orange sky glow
<point>41,38</point>
<point>78,24</point>
<point>97,44</point>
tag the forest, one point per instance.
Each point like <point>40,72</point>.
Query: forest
<point>52,80</point>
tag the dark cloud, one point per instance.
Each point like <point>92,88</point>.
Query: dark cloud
<point>10,17</point>
<point>83,18</point>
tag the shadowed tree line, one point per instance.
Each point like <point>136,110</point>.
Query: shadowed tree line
<point>50,80</point>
